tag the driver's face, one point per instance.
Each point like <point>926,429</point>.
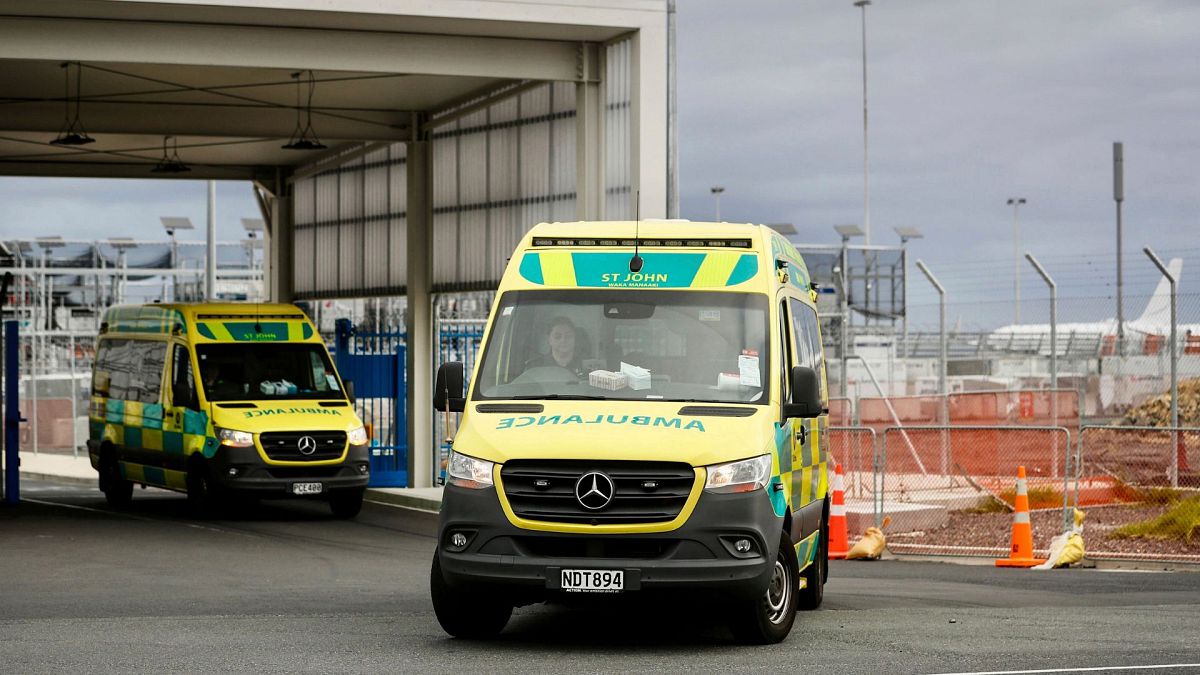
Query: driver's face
<point>562,344</point>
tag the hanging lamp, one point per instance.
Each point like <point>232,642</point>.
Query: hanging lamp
<point>72,132</point>
<point>170,162</point>
<point>303,137</point>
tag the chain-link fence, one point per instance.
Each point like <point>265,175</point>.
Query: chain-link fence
<point>55,390</point>
<point>950,489</point>
<point>1130,460</point>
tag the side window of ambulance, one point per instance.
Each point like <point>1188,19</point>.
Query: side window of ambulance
<point>120,364</point>
<point>183,383</point>
<point>786,352</point>
<point>808,335</point>
<point>146,382</point>
<point>100,371</point>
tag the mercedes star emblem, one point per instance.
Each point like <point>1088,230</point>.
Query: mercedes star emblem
<point>594,490</point>
<point>308,445</point>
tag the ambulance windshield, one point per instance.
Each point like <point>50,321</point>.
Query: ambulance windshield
<point>628,345</point>
<point>248,371</point>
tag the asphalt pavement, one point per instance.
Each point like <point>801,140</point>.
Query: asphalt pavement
<point>287,588</point>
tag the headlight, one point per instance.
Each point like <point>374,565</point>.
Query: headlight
<point>235,439</point>
<point>469,472</point>
<point>358,436</point>
<point>742,476</point>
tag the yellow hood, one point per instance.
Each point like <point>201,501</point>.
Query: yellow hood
<point>284,416</point>
<point>616,430</point>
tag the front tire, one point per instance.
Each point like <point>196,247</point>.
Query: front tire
<point>117,491</point>
<point>346,504</point>
<point>813,593</point>
<point>473,616</point>
<point>768,619</point>
<point>204,494</point>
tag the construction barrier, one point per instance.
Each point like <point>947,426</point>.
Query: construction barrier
<point>1114,463</point>
<point>854,448</point>
<point>950,489</point>
<point>1033,407</point>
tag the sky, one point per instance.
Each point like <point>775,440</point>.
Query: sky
<point>970,103</point>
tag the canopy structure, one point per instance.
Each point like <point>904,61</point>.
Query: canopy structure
<point>424,138</point>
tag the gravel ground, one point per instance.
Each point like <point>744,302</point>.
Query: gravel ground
<point>994,530</point>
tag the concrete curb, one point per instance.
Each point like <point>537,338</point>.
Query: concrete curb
<point>55,478</point>
<point>407,501</point>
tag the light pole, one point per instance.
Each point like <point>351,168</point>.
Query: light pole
<point>845,231</point>
<point>254,227</point>
<point>862,4</point>
<point>1119,197</point>
<point>1054,381</point>
<point>1016,203</point>
<point>210,274</point>
<point>942,359</point>
<point>1174,369</point>
<point>173,224</point>
<point>716,190</point>
<point>1053,318</point>
<point>906,233</point>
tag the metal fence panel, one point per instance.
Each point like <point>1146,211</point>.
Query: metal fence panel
<point>375,363</point>
<point>1136,457</point>
<point>948,489</point>
<point>855,449</point>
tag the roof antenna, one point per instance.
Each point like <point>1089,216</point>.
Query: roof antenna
<point>635,263</point>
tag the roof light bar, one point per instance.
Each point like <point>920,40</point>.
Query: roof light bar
<point>660,243</point>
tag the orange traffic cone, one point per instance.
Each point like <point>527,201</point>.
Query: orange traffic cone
<point>1022,530</point>
<point>839,536</point>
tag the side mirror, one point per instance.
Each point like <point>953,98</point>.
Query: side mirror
<point>349,385</point>
<point>448,388</point>
<point>806,394</point>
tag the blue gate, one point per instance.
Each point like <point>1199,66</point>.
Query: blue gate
<point>374,362</point>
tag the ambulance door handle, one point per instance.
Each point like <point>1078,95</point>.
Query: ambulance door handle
<point>801,434</point>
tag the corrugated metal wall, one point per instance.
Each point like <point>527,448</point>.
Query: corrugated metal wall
<point>496,173</point>
<point>618,138</point>
<point>350,227</point>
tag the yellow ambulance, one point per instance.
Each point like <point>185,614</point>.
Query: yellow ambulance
<point>648,414</point>
<point>223,401</point>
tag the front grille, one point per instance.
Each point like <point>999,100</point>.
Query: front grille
<point>643,492</point>
<point>285,445</point>
<point>595,547</point>
<point>309,471</point>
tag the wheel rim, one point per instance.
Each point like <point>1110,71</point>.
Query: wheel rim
<point>779,593</point>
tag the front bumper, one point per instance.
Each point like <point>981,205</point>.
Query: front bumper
<point>527,564</point>
<point>256,477</point>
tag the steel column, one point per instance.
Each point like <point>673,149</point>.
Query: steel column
<point>418,318</point>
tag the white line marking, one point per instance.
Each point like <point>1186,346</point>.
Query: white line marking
<point>144,518</point>
<point>401,506</point>
<point>1165,666</point>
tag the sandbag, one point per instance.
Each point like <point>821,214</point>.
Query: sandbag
<point>1067,548</point>
<point>871,546</point>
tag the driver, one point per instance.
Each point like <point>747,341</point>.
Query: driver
<point>561,338</point>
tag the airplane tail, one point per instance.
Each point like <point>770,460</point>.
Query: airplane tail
<point>1158,310</point>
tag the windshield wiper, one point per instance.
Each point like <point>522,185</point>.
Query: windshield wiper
<point>559,397</point>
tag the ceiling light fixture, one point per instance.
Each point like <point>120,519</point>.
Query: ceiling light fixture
<point>72,132</point>
<point>170,163</point>
<point>304,138</point>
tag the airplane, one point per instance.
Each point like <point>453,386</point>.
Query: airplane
<point>1143,335</point>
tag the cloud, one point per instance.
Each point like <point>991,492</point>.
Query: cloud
<point>970,103</point>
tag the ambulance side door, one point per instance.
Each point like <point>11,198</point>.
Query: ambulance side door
<point>186,424</point>
<point>813,454</point>
<point>789,456</point>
